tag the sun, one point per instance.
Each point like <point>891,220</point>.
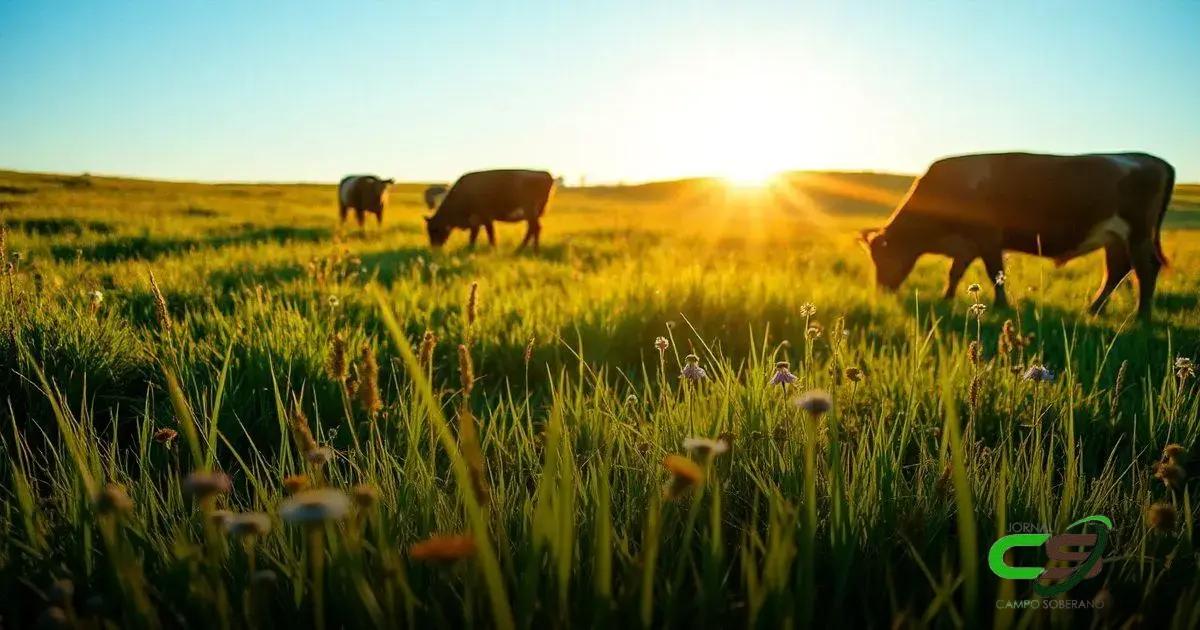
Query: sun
<point>749,178</point>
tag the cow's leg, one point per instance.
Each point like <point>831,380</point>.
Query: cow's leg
<point>379,218</point>
<point>993,262</point>
<point>342,212</point>
<point>358,216</point>
<point>1146,266</point>
<point>474,235</point>
<point>491,233</point>
<point>528,236</point>
<point>1116,267</point>
<point>957,268</point>
<point>537,234</point>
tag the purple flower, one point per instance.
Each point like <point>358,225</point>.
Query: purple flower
<point>783,375</point>
<point>1038,374</point>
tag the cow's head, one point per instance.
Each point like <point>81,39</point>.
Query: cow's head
<point>438,233</point>
<point>893,262</point>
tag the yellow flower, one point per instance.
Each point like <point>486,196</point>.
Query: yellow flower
<point>685,473</point>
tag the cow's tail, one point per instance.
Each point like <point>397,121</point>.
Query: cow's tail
<point>1168,190</point>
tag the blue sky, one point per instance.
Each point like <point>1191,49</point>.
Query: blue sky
<point>611,90</point>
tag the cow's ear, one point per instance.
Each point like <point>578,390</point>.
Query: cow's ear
<point>389,181</point>
<point>866,236</point>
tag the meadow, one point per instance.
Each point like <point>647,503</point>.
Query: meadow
<point>222,409</point>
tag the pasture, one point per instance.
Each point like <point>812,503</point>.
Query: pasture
<point>514,469</point>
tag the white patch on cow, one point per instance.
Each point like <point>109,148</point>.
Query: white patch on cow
<point>1124,161</point>
<point>1110,230</point>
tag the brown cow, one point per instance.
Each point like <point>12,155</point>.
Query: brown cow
<point>362,193</point>
<point>1057,206</point>
<point>477,199</point>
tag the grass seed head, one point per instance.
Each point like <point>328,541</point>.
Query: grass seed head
<point>1038,374</point>
<point>854,375</point>
<point>428,342</point>
<point>473,304</point>
<point>466,370</point>
<point>1171,474</point>
<point>160,305</point>
<point>365,495</point>
<point>1174,453</point>
<point>337,367</point>
<point>368,381</point>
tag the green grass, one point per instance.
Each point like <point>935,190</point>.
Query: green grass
<point>879,512</point>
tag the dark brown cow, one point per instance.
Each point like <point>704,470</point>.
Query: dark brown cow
<point>478,199</point>
<point>362,193</point>
<point>1057,206</point>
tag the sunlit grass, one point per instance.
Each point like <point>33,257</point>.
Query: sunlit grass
<point>535,485</point>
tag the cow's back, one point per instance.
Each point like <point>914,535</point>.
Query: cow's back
<point>1038,203</point>
<point>496,191</point>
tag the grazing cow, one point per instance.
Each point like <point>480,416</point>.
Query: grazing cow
<point>478,199</point>
<point>433,195</point>
<point>1057,206</point>
<point>362,193</point>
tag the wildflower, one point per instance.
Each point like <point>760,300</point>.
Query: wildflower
<point>1038,374</point>
<point>661,344</point>
<point>808,309</point>
<point>425,357</point>
<point>310,507</point>
<point>97,298</point>
<point>974,290</point>
<point>973,352</point>
<point>813,331</point>
<point>365,495</point>
<point>1009,338</point>
<point>165,436</point>
<point>1000,278</point>
<point>113,500</point>
<point>854,375</point>
<point>295,483</point>
<point>1161,517</point>
<point>631,399</point>
<point>685,473</point>
<point>1184,368</point>
<point>160,305</point>
<point>977,310</point>
<point>529,350</point>
<point>333,301</point>
<point>815,401</point>
<point>466,370</point>
<point>704,446</point>
<point>1171,474</point>
<point>319,456</point>
<point>443,548</point>
<point>1173,453</point>
<point>368,381</point>
<point>202,484</point>
<point>692,371</point>
<point>783,375</point>
<point>247,524</point>
<point>337,367</point>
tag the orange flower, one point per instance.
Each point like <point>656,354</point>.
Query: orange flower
<point>685,473</point>
<point>295,483</point>
<point>443,548</point>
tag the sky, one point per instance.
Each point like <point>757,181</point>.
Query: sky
<point>610,91</point>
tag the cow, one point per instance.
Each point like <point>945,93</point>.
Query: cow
<point>362,193</point>
<point>477,199</point>
<point>1056,206</point>
<point>433,195</point>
